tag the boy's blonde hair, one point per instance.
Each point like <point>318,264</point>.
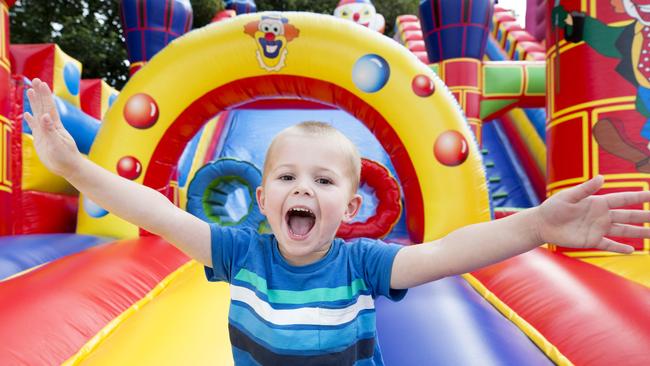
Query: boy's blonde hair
<point>320,129</point>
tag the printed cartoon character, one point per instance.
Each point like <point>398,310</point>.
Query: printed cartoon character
<point>629,43</point>
<point>361,12</point>
<point>272,33</point>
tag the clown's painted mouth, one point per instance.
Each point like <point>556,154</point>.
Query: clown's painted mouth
<point>642,8</point>
<point>271,49</point>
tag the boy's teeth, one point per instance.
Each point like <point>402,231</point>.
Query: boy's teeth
<point>300,220</point>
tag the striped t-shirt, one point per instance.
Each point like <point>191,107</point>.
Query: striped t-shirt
<point>319,314</point>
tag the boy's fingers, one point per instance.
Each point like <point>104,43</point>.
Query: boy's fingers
<point>40,93</point>
<point>629,231</point>
<point>584,190</point>
<point>622,199</point>
<point>47,122</point>
<point>47,101</point>
<point>614,246</point>
<point>629,216</point>
<point>30,120</point>
<point>31,96</point>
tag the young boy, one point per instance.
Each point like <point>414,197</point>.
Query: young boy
<point>299,295</point>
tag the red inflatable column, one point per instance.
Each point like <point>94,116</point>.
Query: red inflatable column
<point>463,77</point>
<point>598,98</point>
<point>6,124</point>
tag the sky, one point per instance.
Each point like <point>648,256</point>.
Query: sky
<point>519,8</point>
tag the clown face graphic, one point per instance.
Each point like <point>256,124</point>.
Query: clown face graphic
<point>271,33</point>
<point>638,9</point>
<point>357,12</point>
<point>362,13</point>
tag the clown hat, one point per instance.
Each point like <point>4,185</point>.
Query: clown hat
<point>346,2</point>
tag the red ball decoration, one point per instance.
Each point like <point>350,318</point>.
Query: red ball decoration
<point>422,85</point>
<point>451,148</point>
<point>141,111</point>
<point>129,167</point>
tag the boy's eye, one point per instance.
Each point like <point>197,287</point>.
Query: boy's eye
<point>285,177</point>
<point>323,181</point>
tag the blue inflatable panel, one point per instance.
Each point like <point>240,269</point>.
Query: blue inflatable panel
<point>21,252</point>
<point>507,181</point>
<point>185,161</point>
<point>494,51</point>
<point>538,118</point>
<point>446,322</point>
<point>80,125</point>
<point>240,143</point>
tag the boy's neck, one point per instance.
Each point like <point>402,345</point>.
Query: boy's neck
<point>305,260</point>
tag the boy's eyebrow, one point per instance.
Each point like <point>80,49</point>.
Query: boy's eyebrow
<point>318,168</point>
<point>286,165</point>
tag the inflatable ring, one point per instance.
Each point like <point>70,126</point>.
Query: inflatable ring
<point>216,183</point>
<point>389,206</point>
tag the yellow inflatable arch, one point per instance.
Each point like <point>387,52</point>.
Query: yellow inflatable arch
<point>296,55</point>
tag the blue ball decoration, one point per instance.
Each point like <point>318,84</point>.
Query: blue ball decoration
<point>93,209</point>
<point>71,77</point>
<point>370,73</point>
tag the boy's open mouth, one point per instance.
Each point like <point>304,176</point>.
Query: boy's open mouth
<point>300,221</point>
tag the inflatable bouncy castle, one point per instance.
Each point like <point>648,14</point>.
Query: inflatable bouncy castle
<point>462,117</point>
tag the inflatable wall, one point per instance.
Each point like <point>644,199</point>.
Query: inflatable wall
<point>466,118</point>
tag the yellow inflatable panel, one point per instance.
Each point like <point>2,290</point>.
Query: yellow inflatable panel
<point>107,92</point>
<point>185,324</point>
<point>633,267</point>
<point>66,77</point>
<point>36,177</point>
<point>221,65</point>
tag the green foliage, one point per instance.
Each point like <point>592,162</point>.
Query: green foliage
<point>321,6</point>
<point>391,9</point>
<point>204,11</point>
<point>87,30</point>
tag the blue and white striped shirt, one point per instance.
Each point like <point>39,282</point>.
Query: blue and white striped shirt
<point>319,314</point>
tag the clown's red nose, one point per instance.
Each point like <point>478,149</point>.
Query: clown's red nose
<point>269,36</point>
<point>356,17</point>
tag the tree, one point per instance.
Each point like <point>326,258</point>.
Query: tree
<point>88,30</point>
<point>204,11</point>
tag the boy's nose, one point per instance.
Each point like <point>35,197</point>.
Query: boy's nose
<point>302,189</point>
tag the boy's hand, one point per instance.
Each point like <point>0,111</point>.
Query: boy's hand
<point>55,147</point>
<point>576,218</point>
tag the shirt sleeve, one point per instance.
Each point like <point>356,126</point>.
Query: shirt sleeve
<point>226,245</point>
<point>377,259</point>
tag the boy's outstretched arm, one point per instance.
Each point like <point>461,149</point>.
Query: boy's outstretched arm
<point>573,218</point>
<point>131,201</point>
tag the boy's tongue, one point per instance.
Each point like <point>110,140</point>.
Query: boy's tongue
<point>300,225</point>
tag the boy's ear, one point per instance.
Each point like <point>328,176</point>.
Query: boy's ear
<point>261,199</point>
<point>353,208</point>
